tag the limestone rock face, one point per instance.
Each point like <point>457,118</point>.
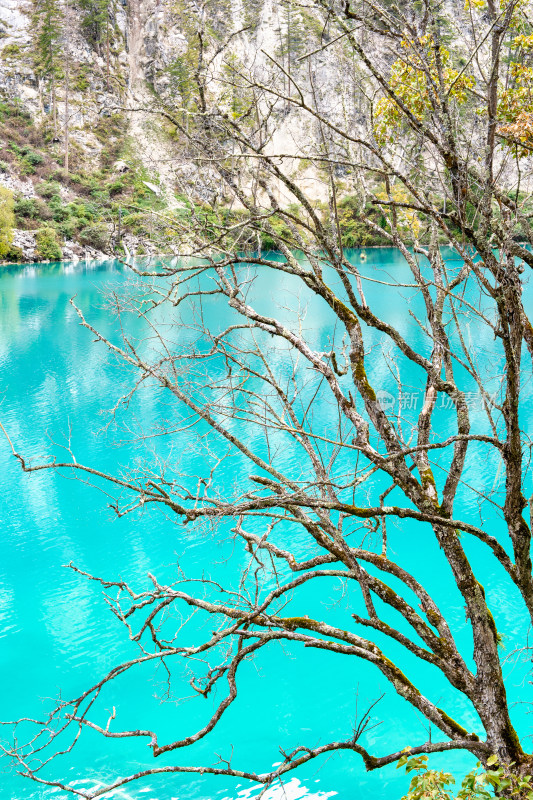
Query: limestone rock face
<point>25,240</point>
<point>72,251</point>
<point>17,185</point>
<point>151,39</point>
<point>150,55</point>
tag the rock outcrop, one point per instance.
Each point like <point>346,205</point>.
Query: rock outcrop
<point>150,55</point>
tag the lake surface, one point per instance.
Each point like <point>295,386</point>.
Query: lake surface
<point>56,632</point>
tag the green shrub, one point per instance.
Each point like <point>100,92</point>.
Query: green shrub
<point>141,193</point>
<point>47,245</point>
<point>7,220</point>
<point>12,110</point>
<point>60,213</point>
<point>31,208</point>
<point>24,151</point>
<point>136,223</point>
<point>479,784</point>
<point>14,255</point>
<point>70,227</point>
<point>34,158</point>
<point>83,211</point>
<point>117,187</point>
<point>57,174</point>
<point>96,236</point>
<point>80,82</point>
<point>108,127</point>
<point>268,242</point>
<point>26,207</point>
<point>48,189</point>
<point>11,50</point>
<point>29,161</point>
<point>26,168</point>
<point>355,230</point>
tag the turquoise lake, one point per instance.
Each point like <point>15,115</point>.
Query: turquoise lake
<point>56,632</point>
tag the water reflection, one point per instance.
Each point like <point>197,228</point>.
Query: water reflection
<point>57,632</point>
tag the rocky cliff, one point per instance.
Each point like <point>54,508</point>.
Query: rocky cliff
<point>123,166</point>
<point>118,155</point>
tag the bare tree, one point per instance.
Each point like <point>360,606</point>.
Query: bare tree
<point>440,155</point>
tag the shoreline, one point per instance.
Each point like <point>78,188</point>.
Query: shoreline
<point>98,256</point>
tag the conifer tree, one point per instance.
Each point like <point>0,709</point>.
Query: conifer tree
<point>67,83</point>
<point>47,18</point>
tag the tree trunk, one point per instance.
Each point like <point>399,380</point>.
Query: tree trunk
<point>67,86</point>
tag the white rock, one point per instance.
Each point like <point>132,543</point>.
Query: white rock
<point>26,241</point>
<point>28,93</point>
<point>153,188</point>
<point>16,185</point>
<point>120,166</point>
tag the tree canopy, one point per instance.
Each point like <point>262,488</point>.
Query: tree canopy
<point>336,472</point>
